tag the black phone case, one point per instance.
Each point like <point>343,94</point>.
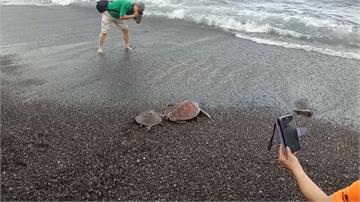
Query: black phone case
<point>289,135</point>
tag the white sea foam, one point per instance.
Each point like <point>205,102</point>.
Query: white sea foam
<point>330,36</point>
<point>45,2</point>
<point>68,2</point>
<point>326,51</point>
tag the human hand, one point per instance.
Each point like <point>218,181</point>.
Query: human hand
<point>136,11</point>
<point>288,159</point>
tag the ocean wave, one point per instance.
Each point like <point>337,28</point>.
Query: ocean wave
<point>334,35</point>
<point>326,51</point>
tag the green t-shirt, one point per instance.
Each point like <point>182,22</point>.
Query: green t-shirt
<point>119,8</point>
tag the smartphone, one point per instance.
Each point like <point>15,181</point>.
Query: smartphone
<point>289,132</point>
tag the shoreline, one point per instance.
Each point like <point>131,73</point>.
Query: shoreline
<point>291,43</point>
<point>168,65</point>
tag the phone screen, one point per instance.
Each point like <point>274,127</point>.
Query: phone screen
<point>289,132</point>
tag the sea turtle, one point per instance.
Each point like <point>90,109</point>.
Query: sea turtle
<point>184,111</point>
<point>302,108</point>
<point>305,112</point>
<point>138,19</point>
<point>148,118</point>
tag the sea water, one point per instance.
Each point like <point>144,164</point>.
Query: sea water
<point>330,27</point>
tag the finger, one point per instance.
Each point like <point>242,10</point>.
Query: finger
<point>281,151</point>
<point>288,150</point>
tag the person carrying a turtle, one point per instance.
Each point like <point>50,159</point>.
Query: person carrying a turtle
<point>117,11</point>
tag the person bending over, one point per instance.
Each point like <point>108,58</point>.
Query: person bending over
<point>117,12</point>
<point>307,187</point>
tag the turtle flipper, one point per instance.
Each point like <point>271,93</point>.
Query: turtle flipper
<point>206,114</point>
<point>182,122</point>
<point>305,112</point>
<point>148,128</point>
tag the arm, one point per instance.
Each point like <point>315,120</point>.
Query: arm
<point>128,17</point>
<point>310,190</point>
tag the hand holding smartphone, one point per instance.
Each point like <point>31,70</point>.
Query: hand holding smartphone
<point>288,132</point>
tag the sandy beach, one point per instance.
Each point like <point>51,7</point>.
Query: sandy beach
<point>67,129</point>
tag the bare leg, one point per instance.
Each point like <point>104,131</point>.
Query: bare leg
<point>102,37</point>
<point>126,38</point>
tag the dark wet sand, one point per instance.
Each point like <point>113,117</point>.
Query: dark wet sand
<point>57,152</point>
<point>67,130</point>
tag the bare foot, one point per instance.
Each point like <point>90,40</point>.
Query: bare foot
<point>100,51</point>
